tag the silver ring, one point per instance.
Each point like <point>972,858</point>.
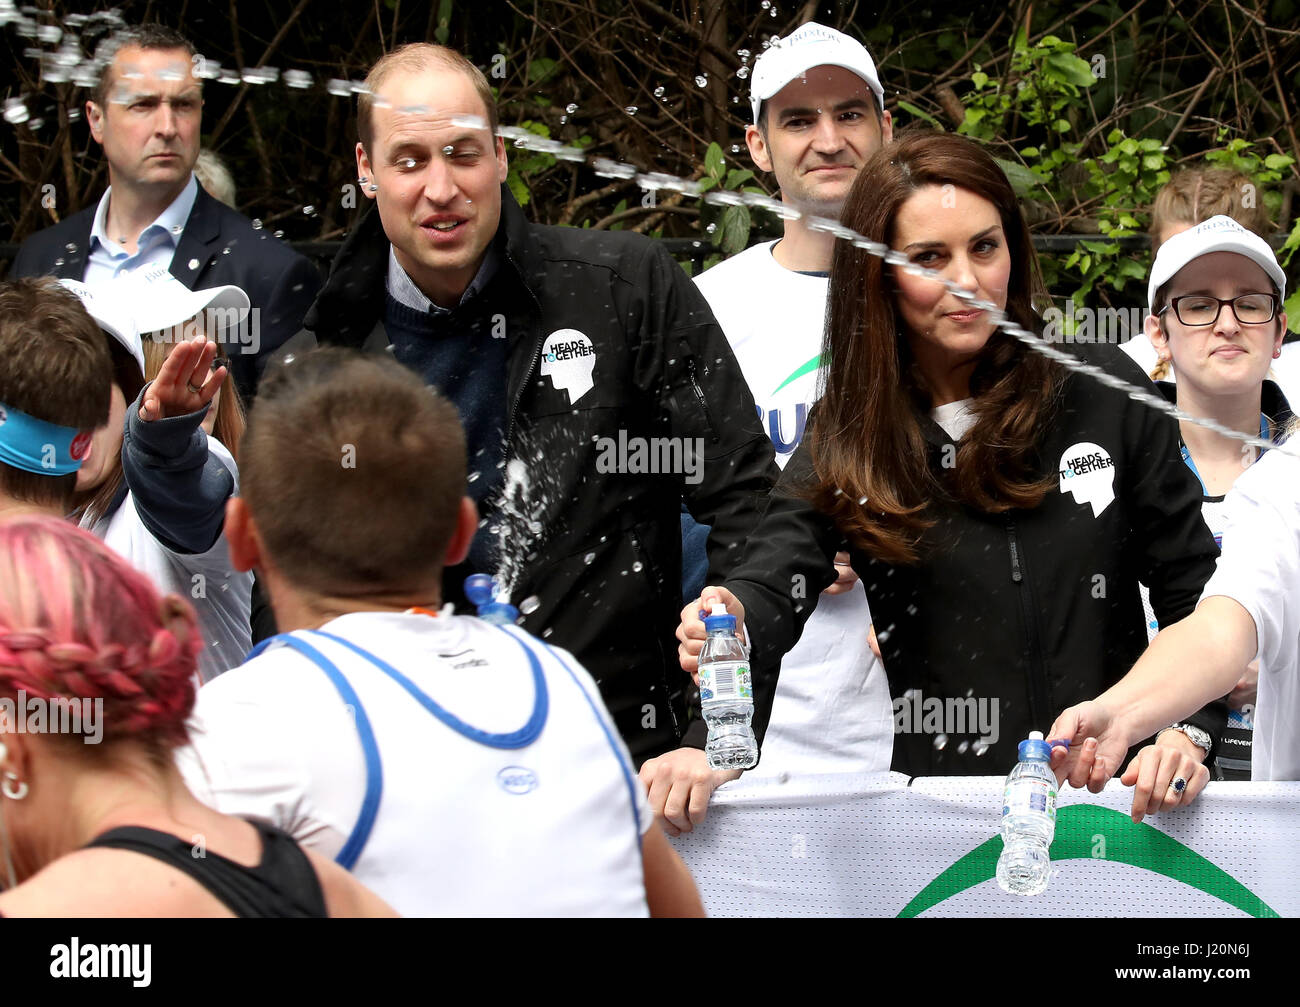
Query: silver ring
<point>1178,785</point>
<point>196,391</point>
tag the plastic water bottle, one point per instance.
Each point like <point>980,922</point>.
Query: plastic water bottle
<point>481,590</point>
<point>726,696</point>
<point>1028,820</point>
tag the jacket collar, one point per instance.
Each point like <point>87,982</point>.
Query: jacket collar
<point>358,279</point>
<point>199,240</point>
<point>1272,403</point>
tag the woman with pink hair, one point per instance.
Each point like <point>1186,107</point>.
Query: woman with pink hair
<point>96,683</point>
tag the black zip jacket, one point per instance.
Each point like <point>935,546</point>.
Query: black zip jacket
<point>607,570</point>
<point>1030,611</point>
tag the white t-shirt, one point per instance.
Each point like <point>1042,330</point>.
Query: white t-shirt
<point>463,828</point>
<point>1259,568</point>
<point>220,594</point>
<point>1285,370</point>
<point>956,418</point>
<point>832,711</point>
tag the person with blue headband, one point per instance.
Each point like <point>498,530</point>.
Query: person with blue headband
<point>49,401</point>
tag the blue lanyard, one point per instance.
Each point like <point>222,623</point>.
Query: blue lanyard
<point>1187,455</point>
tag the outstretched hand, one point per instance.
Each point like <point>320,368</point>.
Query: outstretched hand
<point>1097,746</point>
<point>186,382</point>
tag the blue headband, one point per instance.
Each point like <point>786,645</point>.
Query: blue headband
<point>34,445</point>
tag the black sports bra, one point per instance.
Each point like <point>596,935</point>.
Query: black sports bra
<point>283,884</point>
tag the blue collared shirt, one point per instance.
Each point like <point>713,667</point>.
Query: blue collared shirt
<point>404,291</point>
<point>157,243</point>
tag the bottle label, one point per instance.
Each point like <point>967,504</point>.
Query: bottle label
<point>725,680</point>
<point>1029,795</point>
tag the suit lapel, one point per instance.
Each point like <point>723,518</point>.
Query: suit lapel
<point>198,245</point>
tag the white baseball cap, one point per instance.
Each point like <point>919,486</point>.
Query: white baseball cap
<point>810,45</point>
<point>108,313</point>
<point>158,301</point>
<point>1218,234</point>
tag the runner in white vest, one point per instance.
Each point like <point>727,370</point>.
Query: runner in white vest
<point>459,767</point>
<point>818,115</point>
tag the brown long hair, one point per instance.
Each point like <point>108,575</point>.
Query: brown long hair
<point>231,418</point>
<point>870,457</point>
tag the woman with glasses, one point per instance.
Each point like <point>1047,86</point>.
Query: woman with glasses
<point>1216,300</point>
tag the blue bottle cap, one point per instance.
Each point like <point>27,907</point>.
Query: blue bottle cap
<point>479,588</point>
<point>720,621</point>
<point>1034,747</point>
<point>499,612</point>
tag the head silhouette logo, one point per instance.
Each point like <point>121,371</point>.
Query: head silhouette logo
<point>568,359</point>
<point>1087,473</point>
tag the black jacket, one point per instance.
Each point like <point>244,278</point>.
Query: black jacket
<point>219,246</point>
<point>1032,611</point>
<point>607,571</point>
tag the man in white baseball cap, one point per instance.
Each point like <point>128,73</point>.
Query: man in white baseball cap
<point>819,114</point>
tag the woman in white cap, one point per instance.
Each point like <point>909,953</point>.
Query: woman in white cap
<point>1216,294</point>
<point>154,486</point>
<point>1224,356</point>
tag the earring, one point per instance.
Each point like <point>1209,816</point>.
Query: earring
<point>372,187</point>
<point>14,793</point>
<point>363,179</point>
<point>1276,354</point>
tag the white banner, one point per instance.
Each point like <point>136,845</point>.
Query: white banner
<point>851,845</point>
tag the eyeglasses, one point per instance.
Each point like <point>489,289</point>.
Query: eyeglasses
<point>1201,309</point>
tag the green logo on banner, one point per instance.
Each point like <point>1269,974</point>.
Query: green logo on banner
<point>807,368</point>
<point>1127,842</point>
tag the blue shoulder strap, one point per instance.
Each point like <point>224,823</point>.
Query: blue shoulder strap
<point>356,842</point>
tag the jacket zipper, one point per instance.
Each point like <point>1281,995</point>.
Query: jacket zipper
<point>699,395</point>
<point>1038,699</point>
<point>537,354</point>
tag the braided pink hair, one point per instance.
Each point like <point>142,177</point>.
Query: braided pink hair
<point>77,621</point>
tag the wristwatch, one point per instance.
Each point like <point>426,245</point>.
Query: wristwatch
<point>1201,739</point>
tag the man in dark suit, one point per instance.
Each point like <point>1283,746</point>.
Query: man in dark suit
<point>145,113</point>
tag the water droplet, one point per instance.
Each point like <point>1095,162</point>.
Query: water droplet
<point>178,230</point>
<point>226,250</point>
<point>257,224</point>
<point>300,79</point>
<point>940,742</point>
<point>961,748</point>
<point>979,748</point>
<point>570,108</point>
<point>735,148</point>
<point>743,72</point>
<point>659,91</point>
<point>772,12</point>
<point>636,567</point>
<point>15,111</point>
<point>743,53</point>
<point>309,210</point>
<point>547,632</point>
<point>563,119</point>
<point>587,559</point>
<point>70,247</point>
<point>630,110</point>
<point>766,4</point>
<point>279,234</point>
<point>862,501</point>
<point>711,228</point>
<point>448,150</point>
<point>530,605</point>
<point>701,81</point>
<point>59,261</point>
